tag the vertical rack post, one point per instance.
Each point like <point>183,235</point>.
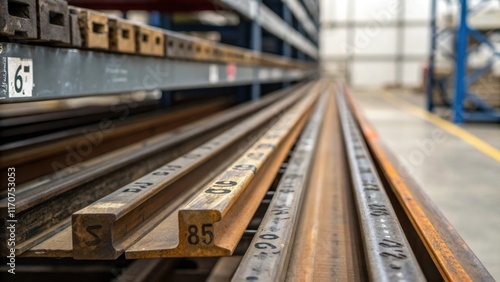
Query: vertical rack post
<point>461,65</point>
<point>432,59</point>
<point>286,49</point>
<point>400,43</point>
<point>256,45</point>
<point>300,54</point>
<point>164,21</point>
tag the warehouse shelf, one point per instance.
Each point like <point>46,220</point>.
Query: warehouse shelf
<point>300,13</point>
<point>313,7</point>
<point>288,28</point>
<point>463,79</point>
<point>268,20</point>
<point>45,73</point>
<point>253,10</point>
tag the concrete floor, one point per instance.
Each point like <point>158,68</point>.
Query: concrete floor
<point>460,171</point>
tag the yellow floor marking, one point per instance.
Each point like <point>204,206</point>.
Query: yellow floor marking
<point>446,125</point>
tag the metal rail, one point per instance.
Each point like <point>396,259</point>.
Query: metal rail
<point>267,257</point>
<point>122,213</point>
<point>388,254</point>
<point>84,183</point>
<point>212,222</point>
<point>447,250</point>
<point>24,127</point>
<point>41,155</point>
<point>327,244</point>
<point>321,210</point>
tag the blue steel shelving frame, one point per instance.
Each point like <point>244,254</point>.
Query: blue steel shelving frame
<point>462,79</point>
<point>254,30</point>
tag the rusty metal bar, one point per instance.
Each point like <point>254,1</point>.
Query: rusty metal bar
<point>269,252</point>
<point>212,221</point>
<point>85,183</point>
<point>106,228</point>
<point>447,251</point>
<point>388,254</point>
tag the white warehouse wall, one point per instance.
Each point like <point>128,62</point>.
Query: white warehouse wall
<point>375,42</point>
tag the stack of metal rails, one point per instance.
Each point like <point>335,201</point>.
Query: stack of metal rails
<point>474,90</point>
<point>292,186</point>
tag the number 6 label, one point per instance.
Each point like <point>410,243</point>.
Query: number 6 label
<point>20,72</point>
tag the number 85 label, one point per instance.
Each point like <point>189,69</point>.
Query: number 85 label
<point>206,235</point>
<point>20,72</point>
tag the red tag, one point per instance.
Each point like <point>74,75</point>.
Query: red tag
<point>231,72</point>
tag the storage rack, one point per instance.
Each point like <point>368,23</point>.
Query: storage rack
<point>288,28</point>
<point>462,78</point>
<point>101,73</point>
<point>292,34</point>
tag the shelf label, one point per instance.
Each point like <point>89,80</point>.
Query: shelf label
<point>20,73</point>
<point>231,72</point>
<point>213,74</point>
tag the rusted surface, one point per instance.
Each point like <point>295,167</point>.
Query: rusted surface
<point>327,245</point>
<point>387,250</point>
<point>58,246</point>
<point>84,183</point>
<point>120,216</point>
<point>212,222</point>
<point>268,254</point>
<point>43,206</point>
<point>65,148</point>
<point>451,255</point>
<point>18,19</point>
<point>53,21</point>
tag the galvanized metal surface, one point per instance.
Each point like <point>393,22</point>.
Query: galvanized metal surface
<point>301,14</point>
<point>388,254</point>
<point>272,23</point>
<point>45,73</point>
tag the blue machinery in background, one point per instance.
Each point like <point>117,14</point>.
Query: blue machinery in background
<point>462,79</point>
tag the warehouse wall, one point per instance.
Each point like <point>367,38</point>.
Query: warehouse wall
<point>375,42</point>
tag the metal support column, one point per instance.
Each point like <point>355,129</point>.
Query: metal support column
<point>400,43</point>
<point>256,45</point>
<point>286,47</point>
<point>163,20</point>
<point>480,109</point>
<point>461,65</point>
<point>432,59</point>
<point>300,54</point>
